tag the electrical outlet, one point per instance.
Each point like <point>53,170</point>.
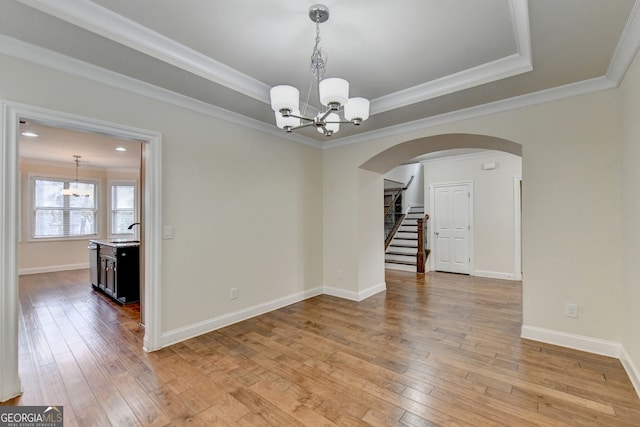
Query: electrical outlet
<point>234,293</point>
<point>339,274</point>
<point>571,310</point>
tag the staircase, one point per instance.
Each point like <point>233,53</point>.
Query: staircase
<point>401,253</point>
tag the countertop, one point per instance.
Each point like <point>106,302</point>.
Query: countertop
<point>117,243</point>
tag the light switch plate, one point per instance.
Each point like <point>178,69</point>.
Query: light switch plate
<point>167,232</point>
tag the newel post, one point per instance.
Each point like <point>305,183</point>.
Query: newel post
<point>420,255</point>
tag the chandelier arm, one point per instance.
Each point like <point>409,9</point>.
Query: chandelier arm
<point>339,121</point>
<point>324,115</point>
<point>302,126</point>
<point>325,131</point>
<point>301,117</point>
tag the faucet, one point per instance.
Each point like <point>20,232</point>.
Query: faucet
<point>131,226</point>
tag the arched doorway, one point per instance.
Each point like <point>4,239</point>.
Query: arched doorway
<point>509,189</point>
<point>396,155</point>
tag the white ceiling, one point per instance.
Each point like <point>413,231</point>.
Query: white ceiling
<point>415,60</point>
<point>55,145</point>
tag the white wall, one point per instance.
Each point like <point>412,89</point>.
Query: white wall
<point>414,195</point>
<point>246,207</point>
<point>493,206</point>
<point>629,112</point>
<point>571,194</point>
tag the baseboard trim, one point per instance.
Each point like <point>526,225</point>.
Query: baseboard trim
<point>588,344</point>
<point>181,334</point>
<point>375,289</point>
<point>52,268</point>
<point>494,275</point>
<point>577,342</point>
<point>355,296</point>
<point>632,370</point>
<point>340,293</point>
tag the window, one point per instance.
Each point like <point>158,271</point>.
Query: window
<point>123,203</point>
<point>58,216</point>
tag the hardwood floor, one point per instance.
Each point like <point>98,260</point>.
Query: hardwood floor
<point>434,349</point>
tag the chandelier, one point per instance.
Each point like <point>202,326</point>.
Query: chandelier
<point>76,191</point>
<point>333,94</point>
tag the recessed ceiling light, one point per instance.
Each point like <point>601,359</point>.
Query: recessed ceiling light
<point>29,134</point>
<point>121,149</point>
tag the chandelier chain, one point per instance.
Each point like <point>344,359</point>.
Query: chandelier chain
<point>318,57</point>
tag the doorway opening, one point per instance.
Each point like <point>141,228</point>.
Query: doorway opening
<point>11,213</point>
<point>475,229</point>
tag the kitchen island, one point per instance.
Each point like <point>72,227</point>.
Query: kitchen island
<point>115,268</point>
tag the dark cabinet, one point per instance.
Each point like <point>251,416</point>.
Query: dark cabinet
<point>118,272</point>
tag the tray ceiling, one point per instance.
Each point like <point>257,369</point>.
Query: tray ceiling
<point>415,60</point>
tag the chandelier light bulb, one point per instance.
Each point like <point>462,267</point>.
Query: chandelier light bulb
<point>334,92</point>
<point>284,97</point>
<point>357,110</point>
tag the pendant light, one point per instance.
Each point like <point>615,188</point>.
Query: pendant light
<point>76,191</point>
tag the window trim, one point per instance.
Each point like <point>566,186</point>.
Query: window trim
<point>31,207</point>
<point>110,184</point>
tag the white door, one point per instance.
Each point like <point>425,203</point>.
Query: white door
<point>452,228</point>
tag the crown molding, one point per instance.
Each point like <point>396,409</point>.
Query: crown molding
<point>540,97</point>
<point>502,68</point>
<point>35,54</point>
<point>41,56</point>
<point>486,73</point>
<point>106,23</point>
<point>623,56</point>
<point>626,48</point>
<point>102,21</point>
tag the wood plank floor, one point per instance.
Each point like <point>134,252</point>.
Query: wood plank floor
<point>434,349</point>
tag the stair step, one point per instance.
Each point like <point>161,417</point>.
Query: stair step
<point>404,258</point>
<point>406,235</point>
<point>401,267</point>
<point>408,254</point>
<point>406,239</point>
<point>398,261</point>
<point>403,245</point>
<point>403,249</point>
<point>407,243</point>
